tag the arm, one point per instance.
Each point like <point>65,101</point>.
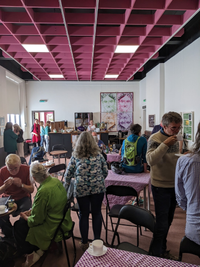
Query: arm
<point>156,151</point>
<point>144,151</point>
<point>104,167</point>
<point>69,174</point>
<point>39,210</point>
<point>25,187</point>
<point>7,184</point>
<point>122,149</point>
<point>180,146</point>
<point>179,186</point>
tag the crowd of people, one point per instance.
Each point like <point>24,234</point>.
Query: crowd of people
<point>173,180</point>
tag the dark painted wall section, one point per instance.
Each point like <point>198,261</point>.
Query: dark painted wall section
<point>3,155</point>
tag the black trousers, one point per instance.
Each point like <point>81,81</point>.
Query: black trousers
<point>20,232</point>
<point>165,204</point>
<point>23,204</point>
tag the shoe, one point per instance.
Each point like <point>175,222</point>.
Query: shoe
<point>84,247</point>
<point>32,258</point>
<point>169,256</point>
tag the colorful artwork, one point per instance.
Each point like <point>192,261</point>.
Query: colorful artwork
<point>188,128</point>
<point>120,107</point>
<point>108,102</point>
<point>125,102</point>
<point>110,119</point>
<point>124,121</point>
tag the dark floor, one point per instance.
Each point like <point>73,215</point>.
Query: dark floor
<point>126,234</point>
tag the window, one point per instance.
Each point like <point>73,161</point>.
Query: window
<point>14,118</point>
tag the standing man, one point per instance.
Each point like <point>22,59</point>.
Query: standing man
<point>15,182</point>
<point>162,147</point>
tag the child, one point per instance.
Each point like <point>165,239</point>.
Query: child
<point>47,130</point>
<point>42,133</point>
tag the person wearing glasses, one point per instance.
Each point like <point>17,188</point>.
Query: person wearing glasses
<point>162,147</point>
<point>15,182</point>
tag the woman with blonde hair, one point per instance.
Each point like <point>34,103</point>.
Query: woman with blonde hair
<point>89,168</point>
<point>20,140</point>
<point>36,228</point>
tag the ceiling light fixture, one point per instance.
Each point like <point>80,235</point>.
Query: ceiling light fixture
<point>56,76</point>
<point>110,76</point>
<point>126,48</point>
<point>34,48</point>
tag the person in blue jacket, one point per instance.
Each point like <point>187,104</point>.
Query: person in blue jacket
<point>141,145</point>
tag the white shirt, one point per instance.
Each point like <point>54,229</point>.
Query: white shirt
<point>91,128</point>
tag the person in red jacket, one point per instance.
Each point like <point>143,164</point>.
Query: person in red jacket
<point>36,133</point>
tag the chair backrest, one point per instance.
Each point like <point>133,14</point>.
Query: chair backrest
<point>121,190</point>
<point>188,246</point>
<point>58,147</point>
<point>138,216</point>
<point>57,168</point>
<point>67,206</point>
<point>23,160</point>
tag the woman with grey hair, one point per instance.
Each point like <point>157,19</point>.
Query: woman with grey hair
<point>36,228</point>
<point>89,168</point>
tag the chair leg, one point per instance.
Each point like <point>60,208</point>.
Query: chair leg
<point>138,226</point>
<point>74,249</point>
<point>180,256</point>
<point>66,252</point>
<point>103,221</point>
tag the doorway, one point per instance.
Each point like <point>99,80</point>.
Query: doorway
<point>45,115</point>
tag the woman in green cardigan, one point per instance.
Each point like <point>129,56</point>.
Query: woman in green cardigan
<point>10,139</point>
<point>34,232</point>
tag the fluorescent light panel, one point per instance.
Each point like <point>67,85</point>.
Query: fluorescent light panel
<point>126,48</point>
<point>111,76</point>
<point>56,76</point>
<point>34,48</point>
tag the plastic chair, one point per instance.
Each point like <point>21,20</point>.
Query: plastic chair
<point>188,246</point>
<point>70,235</point>
<point>58,168</point>
<point>138,216</point>
<point>60,147</point>
<point>118,190</point>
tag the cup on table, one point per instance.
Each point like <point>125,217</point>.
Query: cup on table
<point>2,208</point>
<point>179,137</point>
<point>97,246</point>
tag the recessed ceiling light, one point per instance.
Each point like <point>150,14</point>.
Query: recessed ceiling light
<point>126,48</point>
<point>56,76</point>
<point>111,76</point>
<point>35,48</point>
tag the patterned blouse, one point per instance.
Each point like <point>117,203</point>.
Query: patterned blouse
<point>89,174</point>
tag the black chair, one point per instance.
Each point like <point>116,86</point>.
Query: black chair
<point>65,237</point>
<point>118,190</point>
<point>23,161</point>
<point>137,216</point>
<point>60,147</point>
<point>188,246</point>
<point>58,168</point>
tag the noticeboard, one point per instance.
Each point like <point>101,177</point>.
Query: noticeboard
<point>188,126</point>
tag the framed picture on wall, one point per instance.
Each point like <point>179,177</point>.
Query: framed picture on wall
<point>151,121</point>
<point>188,125</point>
<point>125,102</point>
<point>108,102</point>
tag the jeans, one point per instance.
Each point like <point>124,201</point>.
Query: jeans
<point>93,201</point>
<point>47,143</point>
<point>165,204</point>
<point>42,140</point>
<point>20,232</point>
<point>23,204</point>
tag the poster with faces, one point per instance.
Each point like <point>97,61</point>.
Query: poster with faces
<point>117,110</point>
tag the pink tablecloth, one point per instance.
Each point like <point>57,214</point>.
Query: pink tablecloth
<point>121,258</point>
<point>136,180</point>
<point>113,157</point>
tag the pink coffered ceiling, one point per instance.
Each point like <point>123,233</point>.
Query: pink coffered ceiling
<point>82,35</point>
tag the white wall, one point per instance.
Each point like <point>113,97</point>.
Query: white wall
<point>66,98</point>
<point>182,82</point>
<point>154,94</point>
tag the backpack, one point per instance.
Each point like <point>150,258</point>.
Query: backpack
<point>130,153</point>
<point>117,168</point>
